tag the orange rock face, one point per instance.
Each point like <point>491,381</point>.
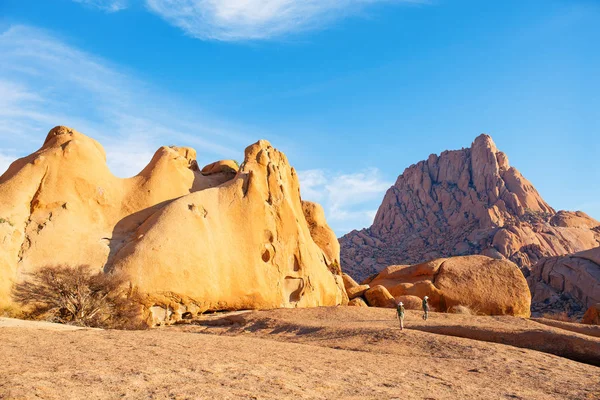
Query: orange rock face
<point>379,296</point>
<point>575,275</point>
<point>485,285</point>
<point>349,283</point>
<point>410,302</point>
<point>592,315</point>
<point>357,291</point>
<point>323,236</point>
<point>357,302</point>
<point>192,240</point>
<point>463,202</point>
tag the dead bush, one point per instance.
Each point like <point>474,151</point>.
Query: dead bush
<point>79,296</point>
<point>11,312</point>
<point>464,310</point>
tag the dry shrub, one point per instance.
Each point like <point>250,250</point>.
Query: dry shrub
<point>561,316</point>
<point>464,310</point>
<point>79,296</point>
<point>11,311</point>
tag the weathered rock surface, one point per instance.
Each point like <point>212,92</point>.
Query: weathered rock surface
<point>483,284</point>
<point>379,296</point>
<point>464,202</point>
<point>568,283</point>
<point>357,302</point>
<point>410,302</point>
<point>322,235</point>
<point>349,283</point>
<point>191,240</point>
<point>592,315</point>
<point>357,291</point>
<point>226,166</point>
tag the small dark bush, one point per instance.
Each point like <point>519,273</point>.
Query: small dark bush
<point>79,296</point>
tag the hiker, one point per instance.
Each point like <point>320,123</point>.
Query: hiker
<point>400,311</point>
<point>425,308</point>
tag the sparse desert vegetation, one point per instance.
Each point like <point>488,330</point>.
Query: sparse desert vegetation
<point>464,310</point>
<point>79,296</point>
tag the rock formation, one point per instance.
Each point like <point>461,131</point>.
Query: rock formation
<point>592,315</point>
<point>190,239</point>
<point>463,202</point>
<point>410,302</point>
<point>357,302</point>
<point>483,284</point>
<point>357,291</point>
<point>568,283</point>
<point>379,296</point>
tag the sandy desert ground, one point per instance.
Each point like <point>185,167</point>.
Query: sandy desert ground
<point>323,353</point>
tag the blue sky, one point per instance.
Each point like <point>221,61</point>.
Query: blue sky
<point>353,91</point>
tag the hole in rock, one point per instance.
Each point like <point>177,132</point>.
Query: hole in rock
<point>295,288</point>
<point>296,265</point>
<point>269,236</point>
<point>266,255</point>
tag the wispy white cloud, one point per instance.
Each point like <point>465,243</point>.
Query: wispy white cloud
<point>350,200</point>
<point>233,20</point>
<point>45,82</point>
<point>106,5</point>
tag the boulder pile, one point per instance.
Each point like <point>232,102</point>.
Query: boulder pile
<point>465,202</point>
<point>366,296</point>
<point>569,283</point>
<point>482,284</point>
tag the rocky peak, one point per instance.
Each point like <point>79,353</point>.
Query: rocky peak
<point>463,202</point>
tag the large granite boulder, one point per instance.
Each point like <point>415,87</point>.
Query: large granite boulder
<point>483,284</point>
<point>379,296</point>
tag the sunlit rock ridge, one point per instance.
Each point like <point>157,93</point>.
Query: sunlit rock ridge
<point>190,239</point>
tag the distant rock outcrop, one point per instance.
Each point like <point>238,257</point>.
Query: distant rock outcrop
<point>484,285</point>
<point>568,283</point>
<point>190,239</point>
<point>463,202</point>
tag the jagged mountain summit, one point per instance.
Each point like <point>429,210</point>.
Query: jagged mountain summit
<point>468,201</point>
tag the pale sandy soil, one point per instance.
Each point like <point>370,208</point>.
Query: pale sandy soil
<point>328,353</point>
<point>19,323</point>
